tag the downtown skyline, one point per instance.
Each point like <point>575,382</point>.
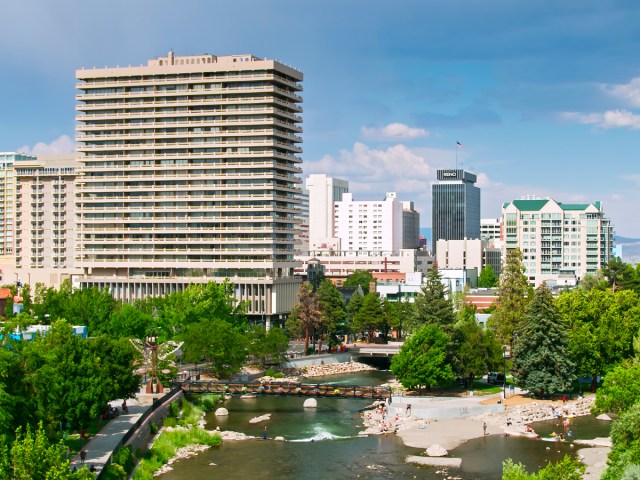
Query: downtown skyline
<point>543,98</point>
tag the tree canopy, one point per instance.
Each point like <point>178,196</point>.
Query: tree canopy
<point>422,360</point>
<point>513,291</point>
<point>541,361</point>
<point>487,278</point>
<point>433,305</point>
<point>362,278</point>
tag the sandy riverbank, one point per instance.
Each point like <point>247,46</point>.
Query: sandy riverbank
<point>520,411</point>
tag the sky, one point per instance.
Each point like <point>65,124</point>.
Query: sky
<point>544,96</point>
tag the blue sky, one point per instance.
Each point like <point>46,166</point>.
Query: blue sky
<point>544,95</point>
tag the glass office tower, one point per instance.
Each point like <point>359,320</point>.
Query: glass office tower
<point>455,207</point>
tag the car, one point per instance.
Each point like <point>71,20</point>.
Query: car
<point>495,378</point>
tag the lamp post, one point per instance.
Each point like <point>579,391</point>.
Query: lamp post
<point>504,372</point>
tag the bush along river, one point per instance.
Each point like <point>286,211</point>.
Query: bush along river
<point>323,443</point>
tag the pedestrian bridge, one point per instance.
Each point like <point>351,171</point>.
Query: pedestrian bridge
<point>284,388</point>
<point>375,350</point>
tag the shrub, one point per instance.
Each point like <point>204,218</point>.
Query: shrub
<point>114,472</point>
<point>154,428</point>
<point>208,402</point>
<point>174,409</point>
<point>124,458</point>
<point>270,373</point>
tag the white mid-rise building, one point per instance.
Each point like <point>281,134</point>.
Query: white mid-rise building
<point>189,172</point>
<point>45,226</point>
<point>369,225</point>
<point>324,191</point>
<point>555,237</point>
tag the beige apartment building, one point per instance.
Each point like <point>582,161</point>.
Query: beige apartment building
<point>45,218</point>
<point>558,239</point>
<point>189,172</point>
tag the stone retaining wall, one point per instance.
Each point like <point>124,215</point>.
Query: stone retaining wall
<point>140,438</point>
<point>318,360</point>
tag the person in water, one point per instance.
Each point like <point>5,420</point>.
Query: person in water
<point>264,436</point>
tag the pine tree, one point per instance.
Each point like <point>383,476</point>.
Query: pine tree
<point>433,307</point>
<point>513,290</point>
<point>487,278</point>
<point>541,351</point>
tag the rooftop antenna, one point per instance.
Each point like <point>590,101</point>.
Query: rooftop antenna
<point>458,146</point>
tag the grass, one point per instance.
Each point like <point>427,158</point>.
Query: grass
<point>168,442</point>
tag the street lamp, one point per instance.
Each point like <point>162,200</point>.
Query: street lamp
<point>504,371</point>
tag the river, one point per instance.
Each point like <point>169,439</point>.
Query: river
<point>322,443</point>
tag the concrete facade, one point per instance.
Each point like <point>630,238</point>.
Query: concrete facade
<point>556,237</point>
<point>324,191</point>
<point>189,172</point>
<point>369,225</point>
<point>45,224</point>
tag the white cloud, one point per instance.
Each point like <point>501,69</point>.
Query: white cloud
<point>634,178</point>
<point>393,131</point>
<point>606,120</point>
<point>370,168</point>
<point>628,92</point>
<point>62,144</point>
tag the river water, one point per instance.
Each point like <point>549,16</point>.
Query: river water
<point>322,443</point>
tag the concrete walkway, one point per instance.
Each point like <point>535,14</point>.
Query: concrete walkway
<point>104,442</point>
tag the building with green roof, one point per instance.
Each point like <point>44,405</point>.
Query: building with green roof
<point>560,242</point>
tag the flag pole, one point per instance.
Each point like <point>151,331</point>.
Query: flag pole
<point>456,147</point>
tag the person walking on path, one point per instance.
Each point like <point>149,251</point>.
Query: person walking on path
<point>83,455</point>
<point>484,428</point>
<point>408,410</point>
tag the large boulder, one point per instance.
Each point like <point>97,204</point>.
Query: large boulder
<point>603,416</point>
<point>221,412</point>
<point>310,403</point>
<point>436,450</point>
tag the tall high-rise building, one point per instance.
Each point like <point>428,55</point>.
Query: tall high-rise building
<point>189,172</point>
<point>455,206</point>
<point>45,218</point>
<point>556,238</point>
<point>324,191</point>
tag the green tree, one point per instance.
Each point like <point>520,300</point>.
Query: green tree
<point>70,379</point>
<point>433,307</point>
<point>333,309</point>
<point>602,325</point>
<point>593,281</point>
<point>475,350</point>
<point>306,315</point>
<point>422,360</point>
<point>625,439</point>
<point>513,291</point>
<point>566,469</point>
<point>33,457</point>
<point>267,346</point>
<point>369,317</point>
<point>487,278</point>
<point>362,278</point>
<point>620,390</point>
<point>217,342</point>
<point>541,360</point>
<point>620,275</point>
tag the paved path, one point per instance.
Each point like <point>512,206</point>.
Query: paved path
<point>104,442</point>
